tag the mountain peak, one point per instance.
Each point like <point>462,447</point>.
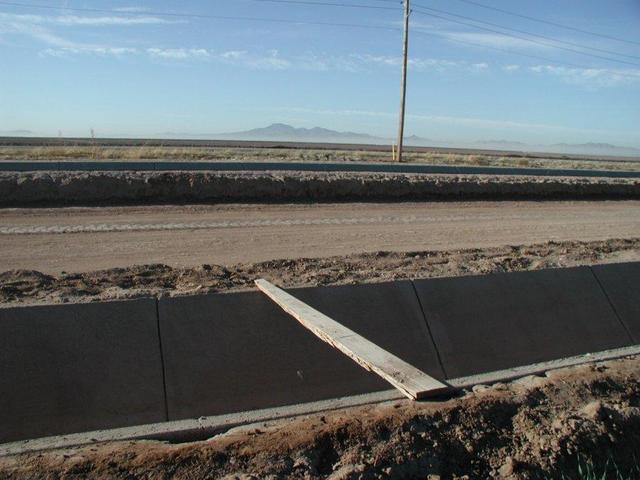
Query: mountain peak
<point>284,132</point>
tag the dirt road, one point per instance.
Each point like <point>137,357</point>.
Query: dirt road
<point>84,239</point>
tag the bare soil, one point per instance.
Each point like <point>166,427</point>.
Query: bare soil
<point>82,239</point>
<point>22,189</point>
<point>29,286</point>
<point>533,428</point>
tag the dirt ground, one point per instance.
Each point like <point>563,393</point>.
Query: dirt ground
<point>21,189</point>
<point>533,428</point>
<point>55,240</point>
<point>28,286</point>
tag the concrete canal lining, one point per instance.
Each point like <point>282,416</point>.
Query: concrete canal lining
<point>493,322</point>
<point>226,353</point>
<point>79,367</point>
<point>69,368</point>
<point>621,283</point>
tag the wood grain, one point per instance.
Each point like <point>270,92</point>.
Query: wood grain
<point>412,382</point>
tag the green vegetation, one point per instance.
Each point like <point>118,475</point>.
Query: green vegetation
<point>587,469</point>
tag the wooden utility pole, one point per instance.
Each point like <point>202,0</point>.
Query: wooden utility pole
<point>403,84</point>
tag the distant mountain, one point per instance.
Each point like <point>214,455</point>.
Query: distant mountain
<point>288,133</point>
<point>284,132</point>
<point>417,141</point>
<point>604,149</point>
<point>595,148</point>
<point>506,144</point>
<point>17,133</point>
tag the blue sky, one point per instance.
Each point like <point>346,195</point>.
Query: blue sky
<point>129,71</point>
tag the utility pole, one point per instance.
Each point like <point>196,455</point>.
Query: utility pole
<point>403,84</point>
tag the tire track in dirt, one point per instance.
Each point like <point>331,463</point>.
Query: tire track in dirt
<point>129,227</point>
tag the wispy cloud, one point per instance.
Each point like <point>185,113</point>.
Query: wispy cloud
<point>89,50</point>
<point>417,63</point>
<point>61,47</point>
<point>421,64</point>
<point>479,66</point>
<point>590,77</point>
<point>470,36</point>
<point>77,20</point>
<point>271,60</point>
<point>34,31</point>
<point>491,40</point>
<point>178,53</point>
<point>325,63</point>
<point>36,27</point>
<point>74,20</point>
<point>131,9</point>
<point>275,61</point>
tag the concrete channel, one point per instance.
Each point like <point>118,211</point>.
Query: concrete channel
<point>118,365</point>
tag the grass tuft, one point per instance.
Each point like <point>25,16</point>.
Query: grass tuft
<point>586,469</point>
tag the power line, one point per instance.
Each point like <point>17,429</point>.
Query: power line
<point>294,22</point>
<point>328,4</point>
<point>548,22</point>
<point>527,39</point>
<point>505,50</point>
<point>306,2</point>
<point>199,16</point>
<point>528,33</point>
<point>511,52</point>
<point>305,22</point>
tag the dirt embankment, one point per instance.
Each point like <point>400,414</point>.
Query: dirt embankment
<point>542,427</point>
<point>27,286</point>
<point>113,188</point>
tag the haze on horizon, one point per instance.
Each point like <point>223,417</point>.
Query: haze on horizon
<point>139,70</point>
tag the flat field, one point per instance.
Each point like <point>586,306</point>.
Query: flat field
<point>183,150</point>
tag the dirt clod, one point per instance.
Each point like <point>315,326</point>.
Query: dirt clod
<point>22,286</point>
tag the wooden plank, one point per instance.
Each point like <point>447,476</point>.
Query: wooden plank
<point>412,382</point>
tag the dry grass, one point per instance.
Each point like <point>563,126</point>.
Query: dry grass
<point>76,152</point>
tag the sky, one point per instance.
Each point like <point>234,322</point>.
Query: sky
<point>141,69</point>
